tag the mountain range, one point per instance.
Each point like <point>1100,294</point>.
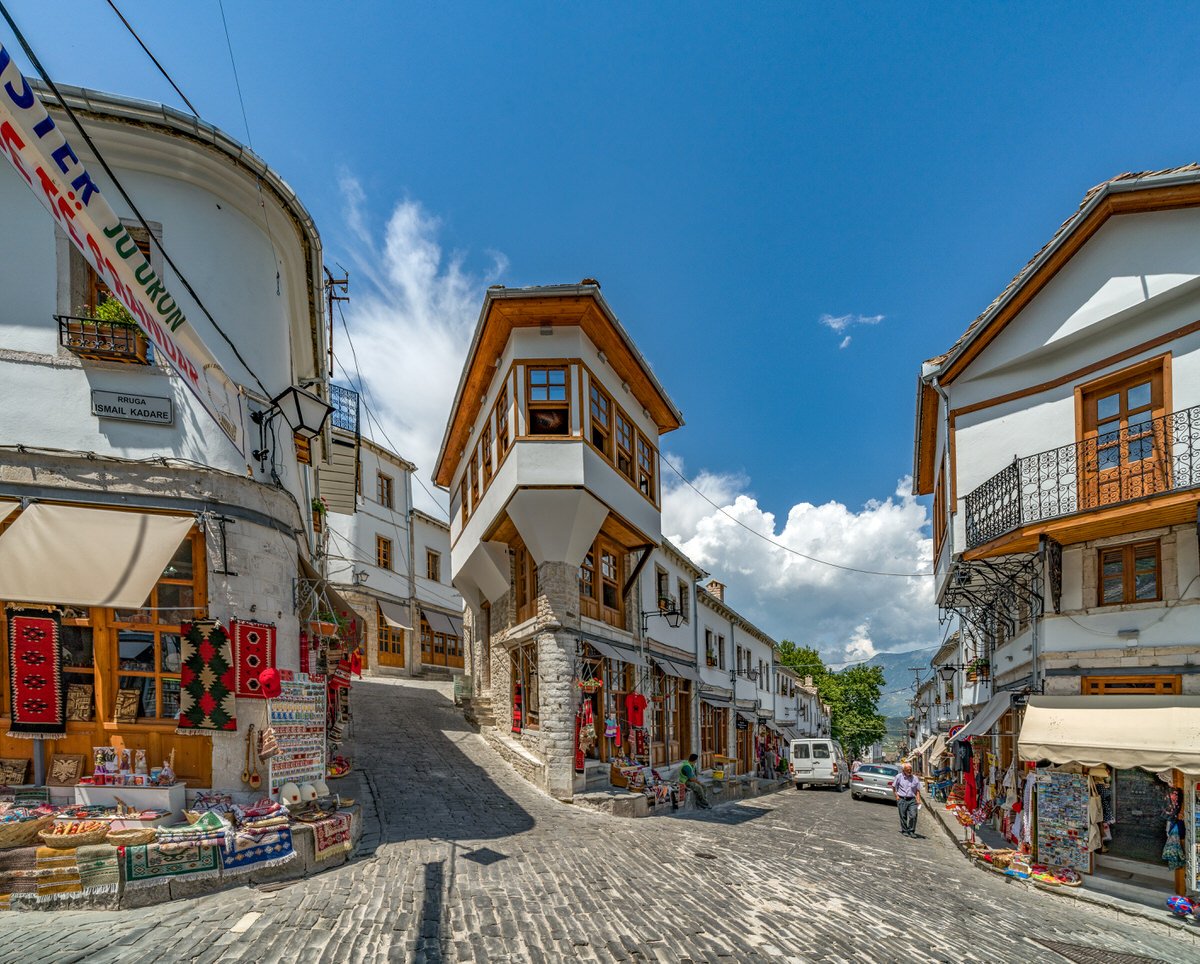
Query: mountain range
<point>898,676</point>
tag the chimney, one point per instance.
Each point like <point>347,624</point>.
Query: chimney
<point>716,590</point>
<point>808,681</point>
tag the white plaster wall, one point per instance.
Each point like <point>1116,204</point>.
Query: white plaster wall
<point>682,636</point>
<point>440,594</point>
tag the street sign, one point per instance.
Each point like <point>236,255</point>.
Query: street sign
<point>133,408</point>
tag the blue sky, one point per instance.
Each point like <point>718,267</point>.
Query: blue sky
<point>730,172</point>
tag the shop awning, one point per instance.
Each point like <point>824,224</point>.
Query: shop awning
<point>748,717</point>
<point>613,652</point>
<point>996,707</point>
<point>79,556</point>
<point>717,698</point>
<point>920,749</point>
<point>772,725</point>
<point>394,614</point>
<point>1151,732</point>
<point>672,668</point>
<point>442,623</point>
<point>938,748</point>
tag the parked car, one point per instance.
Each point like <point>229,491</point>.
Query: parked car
<point>873,780</point>
<point>819,763</point>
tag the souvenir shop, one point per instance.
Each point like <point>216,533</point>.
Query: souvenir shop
<point>1087,785</point>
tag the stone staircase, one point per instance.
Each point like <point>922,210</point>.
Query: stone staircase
<point>478,711</point>
<point>440,673</point>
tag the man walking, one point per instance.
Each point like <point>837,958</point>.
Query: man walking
<point>906,786</point>
<point>689,776</point>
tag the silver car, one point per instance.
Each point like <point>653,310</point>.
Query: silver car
<point>873,780</point>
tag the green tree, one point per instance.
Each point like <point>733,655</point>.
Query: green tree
<point>805,660</point>
<point>852,695</point>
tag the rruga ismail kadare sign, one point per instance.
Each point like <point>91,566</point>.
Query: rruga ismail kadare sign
<point>41,154</point>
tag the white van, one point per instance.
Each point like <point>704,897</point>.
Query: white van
<point>819,763</point>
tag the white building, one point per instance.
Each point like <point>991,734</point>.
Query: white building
<point>123,505</point>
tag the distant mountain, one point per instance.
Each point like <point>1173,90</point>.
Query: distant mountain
<point>897,690</point>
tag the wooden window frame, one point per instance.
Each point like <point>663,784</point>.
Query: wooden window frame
<point>503,441</point>
<point>685,603</point>
<point>525,583</point>
<point>1161,684</point>
<point>485,443</point>
<point>385,490</point>
<point>620,450</point>
<point>433,565</point>
<point>547,404</point>
<point>720,651</point>
<point>940,519</point>
<point>383,553</point>
<point>462,495</point>
<point>647,469</point>
<point>1129,553</point>
<point>600,409</point>
<point>524,670</point>
<point>710,653</point>
<point>391,640</point>
<point>473,470</point>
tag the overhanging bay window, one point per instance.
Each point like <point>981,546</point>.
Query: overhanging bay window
<point>547,400</point>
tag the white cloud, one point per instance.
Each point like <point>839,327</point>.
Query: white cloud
<point>846,615</point>
<point>840,324</point>
<point>411,322</point>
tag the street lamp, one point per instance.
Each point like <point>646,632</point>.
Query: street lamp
<point>304,412</point>
<point>673,616</point>
<point>948,671</point>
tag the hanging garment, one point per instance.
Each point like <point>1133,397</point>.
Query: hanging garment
<point>970,792</point>
<point>516,714</point>
<point>1173,854</point>
<point>610,728</point>
<point>1027,811</point>
<point>640,742</point>
<point>579,752</point>
<point>635,709</point>
<point>1095,817</point>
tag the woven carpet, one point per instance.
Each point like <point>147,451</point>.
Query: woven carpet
<point>147,864</point>
<point>99,870</point>
<point>255,851</point>
<point>253,651</point>
<point>332,835</point>
<point>18,871</point>
<point>206,678</point>
<point>36,699</point>
<point>58,872</point>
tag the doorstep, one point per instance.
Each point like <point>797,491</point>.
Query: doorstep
<point>1102,891</point>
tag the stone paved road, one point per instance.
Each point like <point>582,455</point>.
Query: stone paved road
<point>471,864</point>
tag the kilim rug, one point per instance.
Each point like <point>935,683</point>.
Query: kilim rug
<point>206,678</point>
<point>18,870</point>
<point>147,864</point>
<point>58,873</point>
<point>36,700</point>
<point>99,871</point>
<point>253,852</point>
<point>253,651</point>
<point>332,835</point>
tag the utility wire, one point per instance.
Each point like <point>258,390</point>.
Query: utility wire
<point>162,70</point>
<point>37,65</point>
<point>780,545</point>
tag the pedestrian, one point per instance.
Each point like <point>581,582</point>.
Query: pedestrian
<point>907,787</point>
<point>689,776</point>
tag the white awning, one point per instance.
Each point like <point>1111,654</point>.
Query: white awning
<point>996,707</point>
<point>717,697</point>
<point>394,614</point>
<point>673,668</point>
<point>938,748</point>
<point>921,749</point>
<point>1151,732</point>
<point>79,556</point>
<point>442,623</point>
<point>612,652</point>
<point>7,509</point>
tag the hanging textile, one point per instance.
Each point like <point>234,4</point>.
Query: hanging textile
<point>516,709</point>
<point>37,704</point>
<point>253,651</point>
<point>206,678</point>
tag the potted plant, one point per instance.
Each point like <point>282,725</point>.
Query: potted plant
<point>105,330</point>
<point>319,511</point>
<point>326,624</point>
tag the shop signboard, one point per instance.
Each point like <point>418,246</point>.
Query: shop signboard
<point>45,160</point>
<point>131,407</point>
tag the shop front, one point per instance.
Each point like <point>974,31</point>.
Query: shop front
<point>671,685</point>
<point>441,639</point>
<point>715,708</point>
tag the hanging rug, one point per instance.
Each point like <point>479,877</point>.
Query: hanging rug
<point>36,701</point>
<point>254,851</point>
<point>253,651</point>
<point>332,835</point>
<point>206,678</point>
<point>147,863</point>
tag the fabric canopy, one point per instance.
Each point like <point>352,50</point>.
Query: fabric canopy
<point>717,698</point>
<point>7,509</point>
<point>772,725</point>
<point>996,707</point>
<point>672,668</point>
<point>394,614</point>
<point>938,748</point>
<point>921,749</point>
<point>748,717</point>
<point>1151,732</point>
<point>612,652</point>
<point>442,623</point>
<point>79,556</point>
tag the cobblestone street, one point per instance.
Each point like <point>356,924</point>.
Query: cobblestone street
<point>463,861</point>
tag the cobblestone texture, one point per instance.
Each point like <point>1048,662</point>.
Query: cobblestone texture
<point>463,860</point>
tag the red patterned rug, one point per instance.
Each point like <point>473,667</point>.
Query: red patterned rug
<point>206,678</point>
<point>253,651</point>
<point>37,702</point>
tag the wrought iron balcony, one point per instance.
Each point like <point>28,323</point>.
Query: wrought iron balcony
<point>1140,460</point>
<point>103,340</point>
<point>345,408</point>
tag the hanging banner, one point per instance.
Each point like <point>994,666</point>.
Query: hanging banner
<point>42,156</point>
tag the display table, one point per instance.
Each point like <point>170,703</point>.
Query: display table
<point>143,798</point>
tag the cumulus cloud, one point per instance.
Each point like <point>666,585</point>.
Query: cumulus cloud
<point>411,314</point>
<point>847,615</point>
<point>841,324</point>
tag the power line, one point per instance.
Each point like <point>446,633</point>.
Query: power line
<point>161,68</point>
<point>780,545</point>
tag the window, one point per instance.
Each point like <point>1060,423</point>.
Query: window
<point>721,652</point>
<point>502,424</point>
<point>587,578</point>
<point>474,470</point>
<point>525,583</point>
<point>610,580</point>
<point>391,639</point>
<point>601,420</point>
<point>1160,685</point>
<point>662,588</point>
<point>800,751</point>
<point>646,469</point>
<point>462,498</point>
<point>821,751</point>
<point>97,291</point>
<point>1130,574</point>
<point>939,513</point>
<point>546,394</point>
<point>433,565</point>
<point>684,601</point>
<point>740,661</point>
<point>710,653</point>
<point>625,436</point>
<point>383,552</point>
<point>1124,448</point>
<point>383,491</point>
<point>486,443</point>
<point>525,676</point>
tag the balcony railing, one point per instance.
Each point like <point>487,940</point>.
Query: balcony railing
<point>1141,460</point>
<point>103,340</point>
<point>345,407</point>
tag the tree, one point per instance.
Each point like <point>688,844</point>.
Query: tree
<point>851,694</point>
<point>805,660</point>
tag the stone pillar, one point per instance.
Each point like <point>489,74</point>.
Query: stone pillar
<point>558,626</point>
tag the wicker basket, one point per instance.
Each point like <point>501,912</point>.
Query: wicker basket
<point>23,834</point>
<point>69,841</point>
<point>132,837</point>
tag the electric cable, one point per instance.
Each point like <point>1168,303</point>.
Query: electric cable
<point>161,69</point>
<point>37,65</point>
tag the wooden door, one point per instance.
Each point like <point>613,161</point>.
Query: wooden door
<point>1124,454</point>
<point>391,646</point>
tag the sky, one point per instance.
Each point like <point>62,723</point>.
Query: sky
<point>789,206</point>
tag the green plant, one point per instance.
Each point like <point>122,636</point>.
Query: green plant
<point>319,506</point>
<point>110,311</point>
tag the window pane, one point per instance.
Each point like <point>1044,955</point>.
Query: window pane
<point>171,658</point>
<point>1139,395</point>
<point>170,698</point>
<point>136,650</point>
<point>1108,433</point>
<point>1113,589</point>
<point>180,566</point>
<point>144,685</point>
<point>176,604</point>
<point>143,615</point>
<point>537,376</point>
<point>1113,564</point>
<point>77,646</point>
<point>558,376</point>
<point>1146,585</point>
<point>1108,406</point>
<point>821,751</point>
<point>800,751</point>
<point>1141,449</point>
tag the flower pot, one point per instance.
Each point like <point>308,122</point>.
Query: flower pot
<point>317,517</point>
<point>319,628</point>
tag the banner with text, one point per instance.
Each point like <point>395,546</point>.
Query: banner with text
<point>42,156</point>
